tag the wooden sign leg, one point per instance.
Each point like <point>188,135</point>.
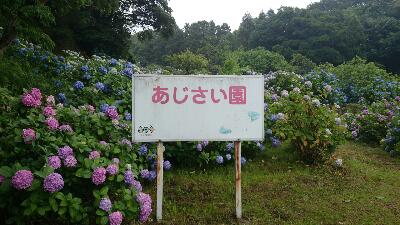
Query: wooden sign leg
<point>238,157</point>
<point>160,179</point>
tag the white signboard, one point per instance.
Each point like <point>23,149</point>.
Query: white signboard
<point>196,108</point>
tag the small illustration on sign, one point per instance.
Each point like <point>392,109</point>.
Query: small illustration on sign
<point>254,116</point>
<point>224,130</point>
<point>146,131</point>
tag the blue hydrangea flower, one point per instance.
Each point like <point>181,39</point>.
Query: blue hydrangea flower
<point>243,160</point>
<point>228,157</point>
<point>219,159</point>
<point>152,175</point>
<point>113,62</point>
<point>87,76</point>
<point>103,70</point>
<point>230,146</point>
<point>128,116</point>
<point>100,86</point>
<point>167,165</point>
<point>78,85</point>
<point>104,107</point>
<point>143,150</point>
<point>128,72</point>
<point>61,97</point>
<point>85,68</point>
<point>275,142</point>
<point>58,83</point>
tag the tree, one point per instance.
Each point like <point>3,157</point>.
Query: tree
<point>188,62</point>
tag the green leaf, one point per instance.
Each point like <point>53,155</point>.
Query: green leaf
<point>104,190</point>
<point>120,178</point>
<point>103,220</point>
<point>53,204</point>
<point>6,171</point>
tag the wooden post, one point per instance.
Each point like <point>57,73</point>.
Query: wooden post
<point>238,157</point>
<point>160,178</point>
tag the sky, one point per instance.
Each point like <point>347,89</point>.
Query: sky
<point>226,11</point>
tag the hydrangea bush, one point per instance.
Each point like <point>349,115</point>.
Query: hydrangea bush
<point>58,164</point>
<point>299,117</point>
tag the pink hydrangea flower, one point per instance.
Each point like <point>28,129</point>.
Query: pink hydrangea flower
<point>48,111</point>
<point>94,154</point>
<point>50,100</point>
<point>28,135</point>
<point>32,98</point>
<point>90,108</point>
<point>52,123</point>
<point>35,92</point>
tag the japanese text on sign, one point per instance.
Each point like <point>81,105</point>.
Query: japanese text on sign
<point>236,94</point>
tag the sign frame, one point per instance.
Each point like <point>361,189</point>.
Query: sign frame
<point>194,139</point>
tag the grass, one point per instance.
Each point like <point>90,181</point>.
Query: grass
<point>278,190</point>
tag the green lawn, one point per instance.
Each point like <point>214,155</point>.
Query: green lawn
<point>276,190</point>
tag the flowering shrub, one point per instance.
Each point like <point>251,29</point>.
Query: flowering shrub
<point>313,128</point>
<point>372,122</point>
<point>50,152</point>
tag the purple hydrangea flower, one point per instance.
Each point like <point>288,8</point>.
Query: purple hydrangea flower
<point>354,134</point>
<point>145,206</point>
<point>105,204</point>
<point>128,177</point>
<point>199,147</point>
<point>22,179</point>
<point>94,154</point>
<point>143,150</point>
<point>136,184</point>
<point>219,159</point>
<point>167,165</point>
<point>112,169</point>
<point>53,182</point>
<point>65,151</point>
<point>204,143</point>
<point>99,175</point>
<point>70,161</point>
<point>115,218</point>
<point>54,162</point>
<point>145,174</point>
